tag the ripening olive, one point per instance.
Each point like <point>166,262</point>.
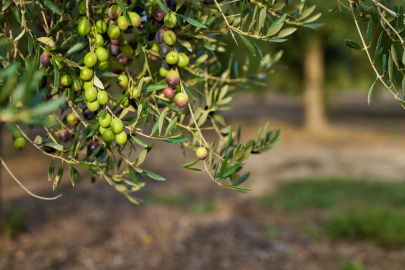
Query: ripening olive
<point>108,135</point>
<point>104,66</point>
<point>170,20</point>
<point>158,14</point>
<point>114,32</point>
<point>102,54</point>
<point>172,58</point>
<point>101,27</point>
<point>168,92</point>
<point>66,80</point>
<point>183,60</point>
<point>116,125</point>
<point>19,144</point>
<point>63,135</point>
<point>72,119</point>
<point>99,41</point>
<point>172,78</point>
<point>122,59</point>
<point>122,23</point>
<point>93,106</point>
<point>51,121</point>
<point>169,37</point>
<point>121,138</point>
<point>181,100</point>
<point>87,85</point>
<point>86,74</point>
<point>45,60</point>
<point>83,28</point>
<point>135,19</point>
<point>91,94</point>
<point>102,97</point>
<point>159,36</point>
<point>201,153</point>
<point>122,81</point>
<point>91,146</point>
<point>114,12</point>
<point>90,60</point>
<point>164,49</point>
<point>163,72</point>
<point>82,8</point>
<point>77,87</point>
<point>114,50</point>
<point>105,120</point>
<point>127,51</point>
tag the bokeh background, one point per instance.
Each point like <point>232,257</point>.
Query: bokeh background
<point>331,196</point>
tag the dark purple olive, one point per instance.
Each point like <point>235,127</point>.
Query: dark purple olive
<point>91,146</point>
<point>114,50</point>
<point>158,14</point>
<point>122,59</point>
<point>164,49</point>
<point>87,114</point>
<point>159,36</point>
<point>45,60</point>
<point>108,3</point>
<point>63,135</point>
<point>117,41</point>
<point>49,150</point>
<point>115,70</point>
<point>165,65</point>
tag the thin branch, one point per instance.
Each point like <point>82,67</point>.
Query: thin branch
<point>226,21</point>
<point>21,185</point>
<point>366,50</point>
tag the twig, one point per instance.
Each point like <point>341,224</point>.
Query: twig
<point>21,185</point>
<point>226,21</point>
<point>366,49</point>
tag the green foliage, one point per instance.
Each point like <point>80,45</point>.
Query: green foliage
<point>51,63</point>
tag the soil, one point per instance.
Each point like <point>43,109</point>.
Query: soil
<point>92,226</point>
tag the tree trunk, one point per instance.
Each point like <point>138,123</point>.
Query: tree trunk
<point>313,96</point>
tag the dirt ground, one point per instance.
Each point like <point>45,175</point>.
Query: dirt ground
<point>94,227</point>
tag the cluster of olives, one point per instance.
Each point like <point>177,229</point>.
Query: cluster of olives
<point>110,31</point>
<point>165,40</point>
<point>112,129</point>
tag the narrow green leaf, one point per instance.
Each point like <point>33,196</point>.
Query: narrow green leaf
<point>248,44</point>
<point>236,188</point>
<point>352,44</point>
<point>154,175</point>
<point>139,141</point>
<point>52,6</point>
<point>190,163</point>
<point>51,170</point>
<point>132,174</point>
<point>107,74</point>
<point>75,141</point>
<point>70,41</point>
<point>58,176</point>
<point>176,140</point>
<point>370,92</point>
<point>369,32</point>
<point>162,119</point>
<point>71,174</point>
<point>171,126</point>
<point>142,156</point>
<point>192,21</point>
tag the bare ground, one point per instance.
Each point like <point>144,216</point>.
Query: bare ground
<point>94,227</point>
